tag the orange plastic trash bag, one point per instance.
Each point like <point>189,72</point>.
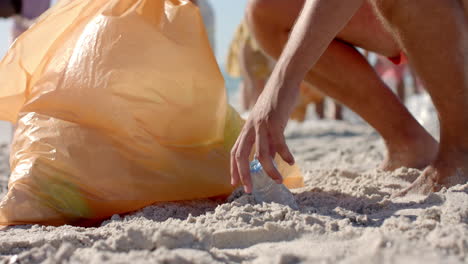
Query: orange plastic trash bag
<point>119,104</point>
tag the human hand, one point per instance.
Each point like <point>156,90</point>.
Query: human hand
<point>264,128</point>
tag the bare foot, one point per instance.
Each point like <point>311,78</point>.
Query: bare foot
<point>417,153</point>
<point>443,173</point>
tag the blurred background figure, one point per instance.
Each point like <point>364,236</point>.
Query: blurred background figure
<point>26,12</point>
<point>396,74</point>
<point>9,8</point>
<point>247,61</point>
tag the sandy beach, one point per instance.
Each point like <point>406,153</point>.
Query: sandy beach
<point>345,216</point>
<point>121,103</point>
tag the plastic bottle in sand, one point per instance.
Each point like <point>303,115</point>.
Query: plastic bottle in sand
<point>264,189</point>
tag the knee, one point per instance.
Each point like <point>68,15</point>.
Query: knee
<point>269,22</point>
<point>266,17</point>
<point>262,22</point>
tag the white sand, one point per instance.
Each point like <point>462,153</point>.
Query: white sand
<point>345,216</point>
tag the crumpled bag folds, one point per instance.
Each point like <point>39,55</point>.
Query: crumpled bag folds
<point>119,104</point>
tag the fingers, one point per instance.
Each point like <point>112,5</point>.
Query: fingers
<point>282,149</point>
<point>268,142</point>
<point>240,165</point>
<point>242,160</point>
<point>264,155</point>
<point>234,171</point>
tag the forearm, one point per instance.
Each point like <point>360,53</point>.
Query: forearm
<point>319,23</point>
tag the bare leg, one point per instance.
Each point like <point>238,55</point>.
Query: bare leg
<point>320,109</point>
<point>443,68</point>
<point>311,95</point>
<point>338,111</point>
<point>345,75</point>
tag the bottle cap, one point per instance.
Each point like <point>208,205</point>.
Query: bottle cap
<point>255,166</point>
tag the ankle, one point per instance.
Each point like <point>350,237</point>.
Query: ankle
<point>452,154</point>
<point>417,143</point>
<point>413,153</point>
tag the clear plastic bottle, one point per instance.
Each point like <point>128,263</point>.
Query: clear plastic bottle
<point>264,189</point>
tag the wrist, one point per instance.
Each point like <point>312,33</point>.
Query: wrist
<point>285,82</point>
<point>289,74</point>
<point>283,91</point>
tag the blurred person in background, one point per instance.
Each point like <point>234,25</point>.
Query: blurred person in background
<point>396,71</point>
<point>23,13</point>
